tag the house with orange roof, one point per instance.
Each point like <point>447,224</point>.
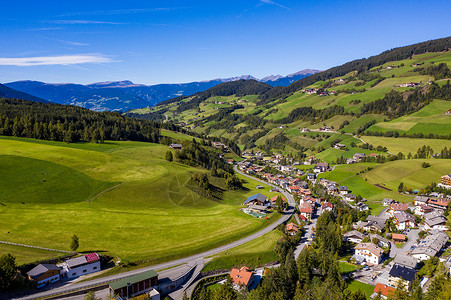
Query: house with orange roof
<point>242,277</point>
<point>398,237</point>
<point>291,228</point>
<point>383,290</point>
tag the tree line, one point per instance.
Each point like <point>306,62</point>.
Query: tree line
<point>359,65</point>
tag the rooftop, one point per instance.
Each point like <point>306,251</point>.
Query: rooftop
<point>241,276</point>
<point>405,273</point>
<point>133,279</point>
<point>42,268</point>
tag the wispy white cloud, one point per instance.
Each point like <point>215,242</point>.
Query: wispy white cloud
<point>70,22</point>
<point>55,60</point>
<point>120,11</point>
<point>70,43</point>
<point>43,29</point>
<point>270,2</point>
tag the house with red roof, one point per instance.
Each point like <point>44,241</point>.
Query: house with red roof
<point>383,290</point>
<point>306,210</point>
<point>242,277</point>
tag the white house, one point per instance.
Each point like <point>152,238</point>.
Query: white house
<point>368,252</point>
<point>430,245</point>
<point>81,265</point>
<point>436,222</point>
<point>403,220</point>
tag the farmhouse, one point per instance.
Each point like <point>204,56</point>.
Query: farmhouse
<point>44,274</point>
<point>321,167</point>
<point>401,273</point>
<point>291,229</point>
<point>374,224</point>
<point>256,199</point>
<point>138,284</point>
<point>81,265</point>
<point>176,146</point>
<point>327,206</point>
<point>242,277</point>
<point>423,209</point>
<point>368,252</point>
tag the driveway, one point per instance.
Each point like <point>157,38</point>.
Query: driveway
<point>412,239</point>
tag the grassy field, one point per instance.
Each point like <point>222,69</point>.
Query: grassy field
<point>355,285</point>
<point>122,199</point>
<point>406,145</point>
<point>429,119</point>
<point>410,172</point>
<point>346,267</point>
<point>252,254</point>
<point>25,255</point>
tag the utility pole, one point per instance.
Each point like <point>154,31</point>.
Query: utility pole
<point>150,153</point>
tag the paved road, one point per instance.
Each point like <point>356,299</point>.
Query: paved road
<point>412,239</point>
<point>187,260</point>
<point>308,233</point>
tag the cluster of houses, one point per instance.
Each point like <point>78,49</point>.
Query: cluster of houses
<point>45,274</point>
<point>370,245</point>
<point>316,91</point>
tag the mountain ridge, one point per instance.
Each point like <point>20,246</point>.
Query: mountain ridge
<point>125,95</point>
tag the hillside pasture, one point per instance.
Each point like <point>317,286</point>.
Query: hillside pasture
<point>126,201</point>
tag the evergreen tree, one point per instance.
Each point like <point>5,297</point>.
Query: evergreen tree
<point>74,243</point>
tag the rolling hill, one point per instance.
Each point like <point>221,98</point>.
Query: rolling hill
<point>397,90</point>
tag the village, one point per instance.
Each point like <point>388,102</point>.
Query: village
<point>391,249</point>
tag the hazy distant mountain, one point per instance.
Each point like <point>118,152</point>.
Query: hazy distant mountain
<point>6,92</point>
<point>125,95</point>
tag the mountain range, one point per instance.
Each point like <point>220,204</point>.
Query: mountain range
<point>126,95</point>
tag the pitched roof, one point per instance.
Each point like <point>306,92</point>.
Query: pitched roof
<point>354,233</point>
<point>41,269</point>
<point>398,206</point>
<point>241,276</point>
<point>133,279</point>
<point>88,258</point>
<point>292,226</point>
<point>258,197</point>
<point>403,272</point>
<point>385,290</point>
<point>402,216</point>
<point>404,260</point>
<point>370,247</point>
<point>398,236</point>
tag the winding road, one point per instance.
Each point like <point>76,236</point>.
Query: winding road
<point>191,260</point>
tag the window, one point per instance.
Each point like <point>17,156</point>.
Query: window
<point>95,268</point>
<point>73,274</point>
<point>84,271</point>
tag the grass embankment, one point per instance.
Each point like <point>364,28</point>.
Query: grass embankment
<point>252,254</point>
<point>152,216</point>
<point>355,285</point>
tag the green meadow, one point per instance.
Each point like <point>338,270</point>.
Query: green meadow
<point>122,199</point>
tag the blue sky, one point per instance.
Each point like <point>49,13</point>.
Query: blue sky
<point>170,41</point>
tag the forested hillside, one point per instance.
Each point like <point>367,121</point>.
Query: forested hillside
<point>383,95</point>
